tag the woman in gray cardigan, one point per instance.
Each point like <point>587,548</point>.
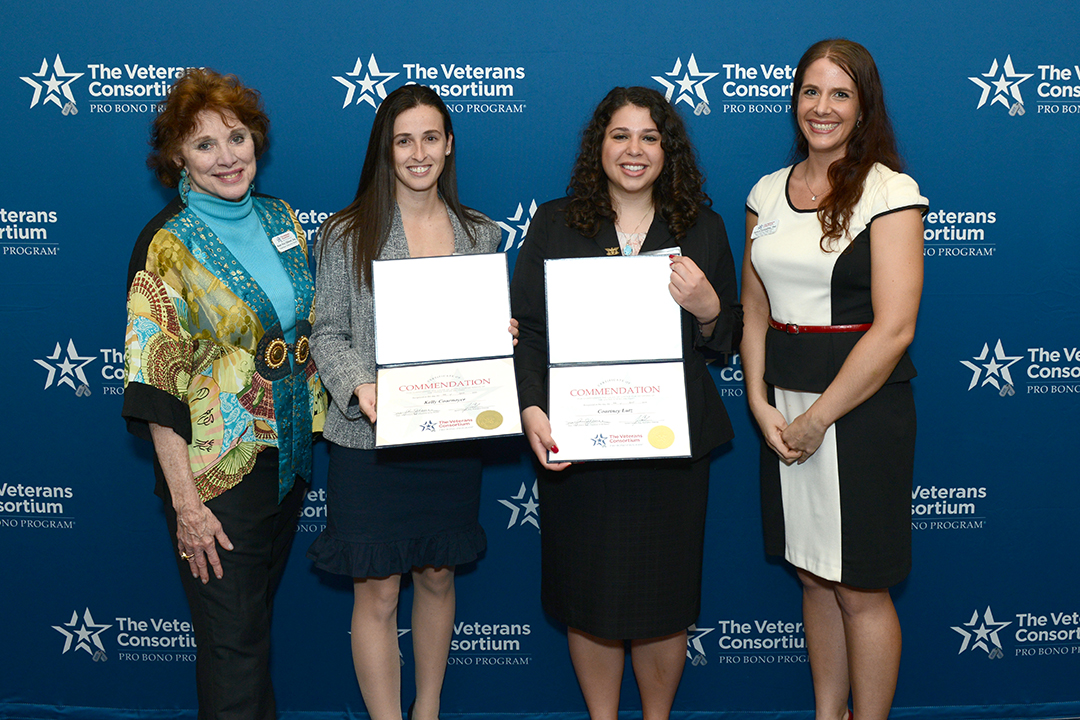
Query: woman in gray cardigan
<point>412,510</point>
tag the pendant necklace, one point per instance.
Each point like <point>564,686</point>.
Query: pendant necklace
<point>633,243</point>
<point>813,195</point>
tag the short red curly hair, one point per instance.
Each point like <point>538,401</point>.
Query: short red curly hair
<point>197,90</point>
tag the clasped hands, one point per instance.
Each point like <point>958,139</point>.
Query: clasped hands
<point>794,442</point>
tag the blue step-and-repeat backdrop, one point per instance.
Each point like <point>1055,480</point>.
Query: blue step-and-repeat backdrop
<point>986,102</point>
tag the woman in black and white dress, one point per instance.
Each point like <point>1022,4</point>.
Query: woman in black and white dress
<point>832,276</point>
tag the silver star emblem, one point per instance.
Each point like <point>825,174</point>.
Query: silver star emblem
<point>512,230</point>
<point>691,84</point>
<point>401,656</point>
<point>996,366</point>
<point>370,85</point>
<point>694,648</point>
<point>985,632</point>
<point>71,368</point>
<point>1005,86</point>
<point>87,632</point>
<point>57,83</point>
<point>531,508</point>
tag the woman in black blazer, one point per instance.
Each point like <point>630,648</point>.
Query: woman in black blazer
<point>622,541</point>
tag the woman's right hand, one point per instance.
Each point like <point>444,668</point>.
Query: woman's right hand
<point>534,422</point>
<point>365,395</point>
<point>773,424</point>
<point>198,533</point>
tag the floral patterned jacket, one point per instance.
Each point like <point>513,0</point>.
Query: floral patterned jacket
<point>205,355</point>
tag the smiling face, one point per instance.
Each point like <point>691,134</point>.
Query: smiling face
<point>420,149</point>
<point>828,108</point>
<point>631,156</point>
<point>219,156</point>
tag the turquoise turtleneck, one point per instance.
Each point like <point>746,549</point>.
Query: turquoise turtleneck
<point>237,226</point>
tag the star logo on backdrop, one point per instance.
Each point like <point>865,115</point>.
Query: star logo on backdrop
<point>517,222</point>
<point>424,427</point>
<point>82,633</point>
<point>982,634</point>
<point>1004,83</point>
<point>372,84</point>
<point>691,84</point>
<point>599,441</point>
<point>526,509</point>
<point>401,632</point>
<point>70,369</point>
<point>996,367</point>
<point>56,84</point>
<point>695,651</point>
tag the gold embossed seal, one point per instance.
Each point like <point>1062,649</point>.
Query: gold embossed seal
<point>661,437</point>
<point>489,419</point>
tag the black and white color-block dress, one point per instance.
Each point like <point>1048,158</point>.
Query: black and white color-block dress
<point>844,514</point>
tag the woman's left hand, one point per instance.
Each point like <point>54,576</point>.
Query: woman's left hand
<point>692,290</point>
<point>514,330</point>
<point>804,435</point>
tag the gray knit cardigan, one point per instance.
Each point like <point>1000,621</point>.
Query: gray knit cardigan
<point>343,335</point>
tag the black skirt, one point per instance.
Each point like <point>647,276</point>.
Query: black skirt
<point>622,545</point>
<point>388,511</point>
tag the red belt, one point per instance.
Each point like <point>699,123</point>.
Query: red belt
<point>793,329</point>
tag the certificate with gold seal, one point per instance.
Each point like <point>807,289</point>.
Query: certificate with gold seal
<point>446,401</point>
<point>616,389</point>
<point>444,356</point>
<point>619,412</point>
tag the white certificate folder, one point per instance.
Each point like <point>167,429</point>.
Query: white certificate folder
<point>616,389</point>
<point>444,356</point>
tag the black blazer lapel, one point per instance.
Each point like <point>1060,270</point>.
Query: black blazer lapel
<point>658,237</point>
<point>607,240</point>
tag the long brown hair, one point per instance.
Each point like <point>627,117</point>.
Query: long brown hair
<point>872,141</point>
<point>364,225</point>
<point>676,194</point>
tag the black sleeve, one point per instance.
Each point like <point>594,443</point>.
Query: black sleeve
<point>529,308</point>
<point>144,404</point>
<point>719,268</point>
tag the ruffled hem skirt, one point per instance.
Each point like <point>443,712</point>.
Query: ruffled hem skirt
<point>388,511</point>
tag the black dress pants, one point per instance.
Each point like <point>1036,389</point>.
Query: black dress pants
<point>231,616</point>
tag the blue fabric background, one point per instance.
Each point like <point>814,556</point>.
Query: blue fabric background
<point>89,591</point>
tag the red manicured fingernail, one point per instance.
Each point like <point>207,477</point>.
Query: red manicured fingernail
<point>555,449</point>
<point>671,256</point>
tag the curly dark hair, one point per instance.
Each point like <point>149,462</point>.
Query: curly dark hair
<point>196,90</point>
<point>677,193</point>
<point>871,142</point>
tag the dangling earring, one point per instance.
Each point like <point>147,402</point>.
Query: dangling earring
<point>185,185</point>
<point>858,123</point>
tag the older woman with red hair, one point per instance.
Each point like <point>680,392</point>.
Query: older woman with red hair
<point>219,378</point>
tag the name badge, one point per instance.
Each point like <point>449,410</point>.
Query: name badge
<point>763,229</point>
<point>285,241</point>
